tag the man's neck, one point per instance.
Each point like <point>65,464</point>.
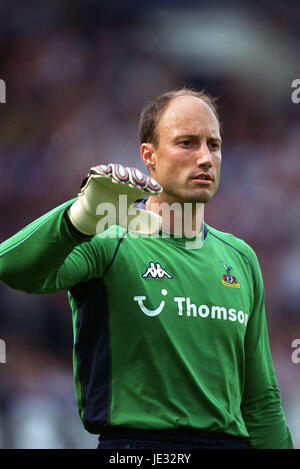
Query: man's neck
<point>181,219</point>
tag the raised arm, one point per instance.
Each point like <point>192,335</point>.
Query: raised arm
<point>37,253</point>
<point>61,248</point>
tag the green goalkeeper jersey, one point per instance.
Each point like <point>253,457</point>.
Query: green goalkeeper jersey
<point>165,336</point>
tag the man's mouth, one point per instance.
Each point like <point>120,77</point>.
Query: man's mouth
<point>203,178</point>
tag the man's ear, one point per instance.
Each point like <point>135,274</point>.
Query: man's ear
<point>148,154</point>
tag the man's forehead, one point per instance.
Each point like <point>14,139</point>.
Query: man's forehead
<point>189,114</point>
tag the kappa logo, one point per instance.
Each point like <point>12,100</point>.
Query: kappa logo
<point>229,280</point>
<point>155,270</point>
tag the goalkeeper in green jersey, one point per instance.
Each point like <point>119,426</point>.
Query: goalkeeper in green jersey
<point>171,346</point>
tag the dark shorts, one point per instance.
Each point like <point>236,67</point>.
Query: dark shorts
<point>163,440</point>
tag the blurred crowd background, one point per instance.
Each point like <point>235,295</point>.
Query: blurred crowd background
<point>77,74</point>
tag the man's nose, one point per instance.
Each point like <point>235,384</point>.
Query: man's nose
<point>204,157</point>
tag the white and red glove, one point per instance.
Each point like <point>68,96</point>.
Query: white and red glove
<point>102,201</point>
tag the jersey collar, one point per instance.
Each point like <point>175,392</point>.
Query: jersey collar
<point>141,203</point>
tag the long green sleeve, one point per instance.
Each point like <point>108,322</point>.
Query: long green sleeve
<point>46,256</point>
<point>261,404</point>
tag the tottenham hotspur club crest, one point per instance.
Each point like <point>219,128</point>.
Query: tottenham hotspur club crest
<point>229,280</point>
<point>156,271</point>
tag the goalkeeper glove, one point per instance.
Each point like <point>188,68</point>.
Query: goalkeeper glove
<point>102,191</point>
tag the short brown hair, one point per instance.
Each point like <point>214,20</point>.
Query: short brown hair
<point>153,110</point>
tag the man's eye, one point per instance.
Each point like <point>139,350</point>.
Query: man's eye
<point>186,143</point>
<point>214,145</point>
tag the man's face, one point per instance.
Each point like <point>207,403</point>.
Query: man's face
<point>187,159</point>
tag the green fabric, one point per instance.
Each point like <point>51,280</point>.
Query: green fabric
<point>188,348</point>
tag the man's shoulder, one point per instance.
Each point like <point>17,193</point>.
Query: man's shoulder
<point>113,232</point>
<point>110,238</point>
<point>233,241</point>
